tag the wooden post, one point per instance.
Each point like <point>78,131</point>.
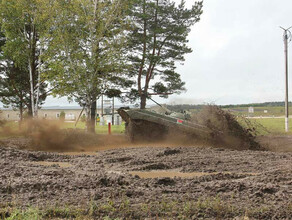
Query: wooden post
<point>109,128</point>
<point>113,111</point>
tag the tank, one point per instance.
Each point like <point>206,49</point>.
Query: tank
<point>146,125</point>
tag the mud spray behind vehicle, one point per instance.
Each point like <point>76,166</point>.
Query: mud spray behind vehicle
<point>148,125</point>
<point>217,128</point>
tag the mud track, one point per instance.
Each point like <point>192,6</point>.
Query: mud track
<point>245,179</point>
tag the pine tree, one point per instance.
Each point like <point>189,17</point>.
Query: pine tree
<point>158,41</point>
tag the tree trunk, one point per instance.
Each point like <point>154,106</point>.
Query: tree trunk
<point>31,89</point>
<point>21,112</point>
<point>29,111</point>
<point>38,90</point>
<point>91,121</point>
<point>143,101</point>
<point>20,115</point>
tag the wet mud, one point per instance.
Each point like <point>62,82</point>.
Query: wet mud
<point>247,179</point>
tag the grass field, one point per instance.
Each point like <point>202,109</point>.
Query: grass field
<point>99,129</point>
<point>274,125</point>
<point>259,111</point>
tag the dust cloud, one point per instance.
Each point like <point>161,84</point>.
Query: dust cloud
<point>45,135</point>
<point>224,132</point>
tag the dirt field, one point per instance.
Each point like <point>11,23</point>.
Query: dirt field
<point>148,182</point>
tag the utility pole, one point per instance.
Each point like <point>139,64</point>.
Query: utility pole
<point>287,39</point>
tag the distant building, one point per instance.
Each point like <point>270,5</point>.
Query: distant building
<point>251,110</point>
<point>53,113</point>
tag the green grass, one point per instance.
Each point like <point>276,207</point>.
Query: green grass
<point>211,208</point>
<point>99,129</point>
<point>274,125</point>
<point>258,111</point>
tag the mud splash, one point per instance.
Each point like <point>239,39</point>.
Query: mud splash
<point>45,135</point>
<point>276,143</point>
<point>225,130</point>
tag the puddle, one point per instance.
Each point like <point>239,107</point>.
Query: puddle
<point>87,153</point>
<point>171,174</point>
<point>46,163</point>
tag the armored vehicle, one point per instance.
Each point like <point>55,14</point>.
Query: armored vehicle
<point>142,124</point>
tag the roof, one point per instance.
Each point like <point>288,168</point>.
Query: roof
<point>63,107</point>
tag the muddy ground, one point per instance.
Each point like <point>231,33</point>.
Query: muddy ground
<point>255,183</point>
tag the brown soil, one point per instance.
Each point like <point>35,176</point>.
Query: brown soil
<point>246,179</point>
<point>276,143</point>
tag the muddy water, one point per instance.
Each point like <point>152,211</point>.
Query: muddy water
<point>170,174</point>
<point>174,173</point>
<point>88,153</point>
<point>46,163</point>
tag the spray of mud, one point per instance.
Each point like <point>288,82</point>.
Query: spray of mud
<point>47,135</point>
<point>225,129</point>
<point>2,122</point>
<point>8,129</point>
<point>276,143</point>
<point>221,129</point>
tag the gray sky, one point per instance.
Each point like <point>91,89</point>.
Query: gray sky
<point>238,54</point>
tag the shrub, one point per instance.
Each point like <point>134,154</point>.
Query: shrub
<point>83,118</point>
<point>62,116</point>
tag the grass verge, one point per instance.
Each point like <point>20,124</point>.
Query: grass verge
<point>212,208</point>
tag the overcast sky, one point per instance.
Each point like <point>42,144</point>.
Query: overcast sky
<point>238,54</point>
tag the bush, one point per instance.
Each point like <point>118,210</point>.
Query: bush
<point>62,116</point>
<point>83,118</point>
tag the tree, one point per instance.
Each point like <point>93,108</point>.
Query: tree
<point>158,41</point>
<point>85,58</point>
<point>14,83</point>
<point>24,23</point>
<point>13,87</point>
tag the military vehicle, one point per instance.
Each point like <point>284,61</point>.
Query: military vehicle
<point>142,124</point>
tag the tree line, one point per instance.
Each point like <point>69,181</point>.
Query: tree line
<point>83,49</point>
<point>264,104</point>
